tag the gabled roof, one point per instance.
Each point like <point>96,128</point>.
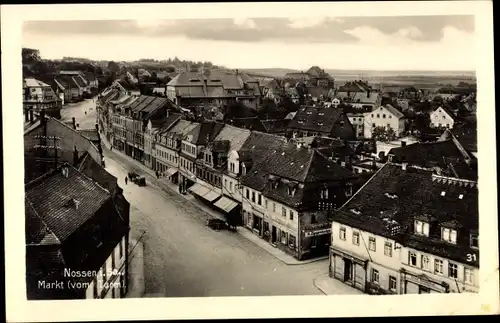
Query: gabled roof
<point>79,81</point>
<point>91,134</point>
<point>395,197</point>
<point>275,125</point>
<point>259,142</point>
<point>447,111</point>
<point>204,132</point>
<point>234,135</point>
<point>315,119</point>
<point>53,197</point>
<point>167,123</point>
<point>181,128</point>
<point>395,112</point>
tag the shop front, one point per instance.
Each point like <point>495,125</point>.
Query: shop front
<point>413,283</point>
<point>315,241</point>
<point>185,182</point>
<point>172,174</point>
<point>348,268</point>
<point>231,209</point>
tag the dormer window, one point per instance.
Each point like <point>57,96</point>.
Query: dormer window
<point>324,193</point>
<point>421,228</point>
<point>348,190</point>
<point>291,191</point>
<point>474,240</point>
<point>461,196</point>
<point>443,193</point>
<point>449,235</point>
<point>243,169</point>
<point>320,123</point>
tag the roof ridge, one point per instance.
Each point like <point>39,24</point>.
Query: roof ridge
<point>363,186</point>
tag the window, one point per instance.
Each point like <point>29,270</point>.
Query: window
<point>468,275</point>
<point>390,116</point>
<point>247,193</point>
<point>253,196</point>
<point>274,207</point>
<point>265,204</point>
<point>324,193</point>
<point>342,234</point>
<point>383,116</point>
<point>372,115</point>
<point>422,228</point>
<point>371,244</point>
<point>259,199</point>
<point>425,263</point>
<point>452,270</point>
<point>291,215</point>
<point>230,186</point>
<point>348,190</point>
<point>375,277</point>
<point>474,240</point>
<point>412,261</point>
<point>438,266</point>
<point>291,241</point>
<point>388,249</point>
<point>378,115</point>
<point>355,238</point>
<point>392,283</point>
<point>283,211</point>
<point>225,183</point>
<point>449,235</point>
<point>284,237</point>
<point>313,219</point>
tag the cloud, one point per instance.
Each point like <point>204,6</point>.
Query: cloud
<point>313,30</point>
<point>244,23</point>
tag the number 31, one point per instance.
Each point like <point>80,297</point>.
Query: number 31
<point>471,257</point>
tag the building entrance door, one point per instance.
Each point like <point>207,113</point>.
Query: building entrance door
<point>347,270</point>
<point>273,235</point>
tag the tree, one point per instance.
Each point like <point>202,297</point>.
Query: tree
<point>30,55</point>
<point>287,105</point>
<point>383,134</point>
<point>238,110</point>
<point>113,66</point>
<point>270,110</point>
<point>170,69</point>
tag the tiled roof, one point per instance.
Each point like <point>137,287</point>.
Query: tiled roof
<point>182,127</point>
<point>97,173</point>
<point>66,81</point>
<point>51,196</point>
<point>395,112</point>
<point>297,75</point>
<point>259,142</point>
<point>440,154</point>
<point>466,134</point>
<point>167,123</point>
<point>226,79</point>
<point>91,134</point>
<point>204,132</point>
<point>318,91</point>
<point>78,80</point>
<point>401,196</point>
<point>359,97</point>
<point>251,123</point>
<point>275,125</point>
<point>315,119</point>
<point>127,85</point>
<point>37,231</point>
<point>448,112</point>
<point>235,136</point>
<point>194,91</point>
<point>31,82</point>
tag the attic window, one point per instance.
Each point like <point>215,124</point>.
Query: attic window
<point>461,196</point>
<point>320,123</point>
<point>309,112</point>
<point>443,193</point>
<point>283,154</point>
<point>301,122</point>
<point>391,196</point>
<point>291,191</point>
<point>355,211</point>
<point>321,113</point>
<point>449,235</point>
<point>421,228</point>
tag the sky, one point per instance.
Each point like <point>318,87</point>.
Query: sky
<point>373,43</point>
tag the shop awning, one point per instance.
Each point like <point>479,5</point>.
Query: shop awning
<point>211,195</point>
<point>226,204</point>
<point>171,171</point>
<point>198,189</point>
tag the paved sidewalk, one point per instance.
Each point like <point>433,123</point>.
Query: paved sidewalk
<point>165,184</point>
<point>332,286</point>
<point>136,270</point>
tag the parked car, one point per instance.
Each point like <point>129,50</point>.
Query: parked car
<point>217,224</point>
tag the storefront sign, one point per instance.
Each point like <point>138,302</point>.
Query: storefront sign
<point>317,232</point>
<point>424,282</point>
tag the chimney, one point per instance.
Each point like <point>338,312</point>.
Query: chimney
<point>368,94</point>
<point>75,156</point>
<point>42,116</point>
<point>404,166</point>
<point>74,122</point>
<point>403,143</point>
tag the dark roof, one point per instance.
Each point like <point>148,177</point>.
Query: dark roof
<point>66,81</point>
<point>440,154</point>
<point>251,123</point>
<point>51,196</point>
<point>167,123</point>
<point>259,142</point>
<point>395,197</point>
<point>204,132</point>
<point>466,134</point>
<point>79,81</point>
<point>127,85</point>
<point>315,119</point>
<point>91,134</point>
<point>275,125</point>
<point>97,173</point>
